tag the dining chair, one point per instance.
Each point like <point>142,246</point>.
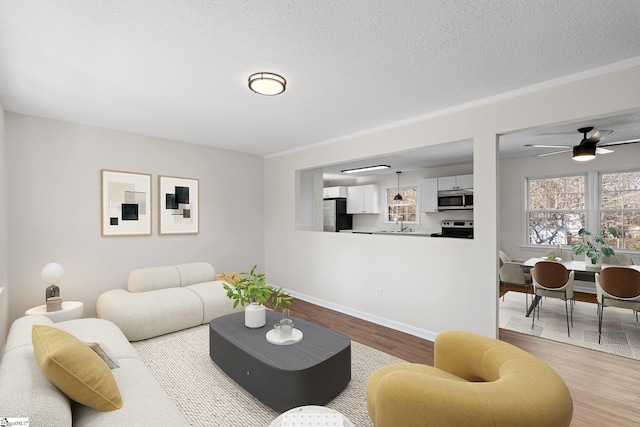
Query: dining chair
<point>511,273</point>
<point>617,259</point>
<point>564,255</point>
<point>552,279</point>
<point>617,287</point>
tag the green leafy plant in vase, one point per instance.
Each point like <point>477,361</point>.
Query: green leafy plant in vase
<point>593,246</point>
<point>254,291</point>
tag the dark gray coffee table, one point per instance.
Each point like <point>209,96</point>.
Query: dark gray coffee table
<point>311,372</point>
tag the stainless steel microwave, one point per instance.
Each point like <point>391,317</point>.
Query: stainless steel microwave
<point>455,199</point>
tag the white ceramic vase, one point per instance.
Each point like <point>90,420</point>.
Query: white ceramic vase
<point>597,266</point>
<point>255,315</point>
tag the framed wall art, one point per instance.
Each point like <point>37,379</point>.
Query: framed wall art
<point>179,201</point>
<point>125,203</point>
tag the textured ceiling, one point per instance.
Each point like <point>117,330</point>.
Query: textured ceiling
<point>179,69</point>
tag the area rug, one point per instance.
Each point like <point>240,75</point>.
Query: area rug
<point>208,397</point>
<point>620,331</point>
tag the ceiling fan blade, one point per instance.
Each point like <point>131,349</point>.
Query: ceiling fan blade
<point>613,143</point>
<point>560,132</point>
<point>598,135</point>
<point>555,152</point>
<point>547,146</point>
<point>600,150</point>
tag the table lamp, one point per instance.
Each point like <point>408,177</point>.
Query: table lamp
<point>52,274</point>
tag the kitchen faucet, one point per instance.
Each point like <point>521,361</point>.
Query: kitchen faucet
<point>401,219</point>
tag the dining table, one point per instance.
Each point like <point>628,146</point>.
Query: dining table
<point>583,271</point>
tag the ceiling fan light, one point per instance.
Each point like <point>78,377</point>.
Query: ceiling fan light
<point>583,153</point>
<point>584,157</point>
<point>268,84</point>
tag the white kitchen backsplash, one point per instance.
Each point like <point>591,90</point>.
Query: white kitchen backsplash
<point>429,222</point>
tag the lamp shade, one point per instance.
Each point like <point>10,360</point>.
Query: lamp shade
<point>52,273</point>
<point>398,197</point>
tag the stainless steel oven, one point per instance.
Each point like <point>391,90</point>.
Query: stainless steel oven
<point>455,228</point>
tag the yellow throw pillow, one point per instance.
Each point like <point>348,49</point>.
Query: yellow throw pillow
<point>230,277</point>
<point>75,369</point>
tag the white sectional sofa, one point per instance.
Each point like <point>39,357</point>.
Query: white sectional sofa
<point>25,392</point>
<point>160,300</point>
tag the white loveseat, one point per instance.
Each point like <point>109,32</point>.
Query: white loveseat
<point>25,392</point>
<point>160,300</point>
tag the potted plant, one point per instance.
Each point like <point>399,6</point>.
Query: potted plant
<point>253,290</point>
<point>595,247</point>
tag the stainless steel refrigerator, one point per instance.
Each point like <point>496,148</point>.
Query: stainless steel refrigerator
<point>335,215</point>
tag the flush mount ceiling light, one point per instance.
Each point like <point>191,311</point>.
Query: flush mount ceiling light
<point>582,153</point>
<point>366,169</point>
<point>268,84</point>
<point>398,197</point>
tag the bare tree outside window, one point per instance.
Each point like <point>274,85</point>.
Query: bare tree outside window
<point>405,209</point>
<point>556,209</point>
<point>620,208</point>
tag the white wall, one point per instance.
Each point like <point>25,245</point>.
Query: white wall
<point>53,202</point>
<point>4,304</point>
<point>428,285</point>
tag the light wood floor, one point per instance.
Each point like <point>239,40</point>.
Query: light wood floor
<point>605,388</point>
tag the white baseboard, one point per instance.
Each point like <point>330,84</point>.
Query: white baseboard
<point>398,326</point>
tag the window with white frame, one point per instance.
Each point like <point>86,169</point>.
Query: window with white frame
<point>556,209</point>
<point>620,208</point>
<point>405,209</point>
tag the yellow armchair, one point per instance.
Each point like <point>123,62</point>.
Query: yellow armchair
<point>475,381</point>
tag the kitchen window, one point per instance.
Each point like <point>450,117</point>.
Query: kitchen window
<point>620,208</point>
<point>556,209</point>
<point>405,209</point>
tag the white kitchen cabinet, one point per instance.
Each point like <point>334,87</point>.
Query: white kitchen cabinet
<point>446,183</point>
<point>428,195</point>
<point>333,192</point>
<point>456,182</point>
<point>465,181</point>
<point>363,199</point>
<point>355,200</point>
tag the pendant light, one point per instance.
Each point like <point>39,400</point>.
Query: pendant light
<point>398,196</point>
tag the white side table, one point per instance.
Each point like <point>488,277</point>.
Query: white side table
<point>70,310</point>
<point>308,410</point>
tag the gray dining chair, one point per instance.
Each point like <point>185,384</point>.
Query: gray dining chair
<point>564,255</point>
<point>511,273</point>
<point>617,287</point>
<point>617,259</point>
<point>552,279</point>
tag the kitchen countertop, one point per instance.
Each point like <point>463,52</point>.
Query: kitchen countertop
<point>421,233</point>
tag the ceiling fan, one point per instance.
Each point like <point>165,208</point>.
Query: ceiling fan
<point>588,147</point>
